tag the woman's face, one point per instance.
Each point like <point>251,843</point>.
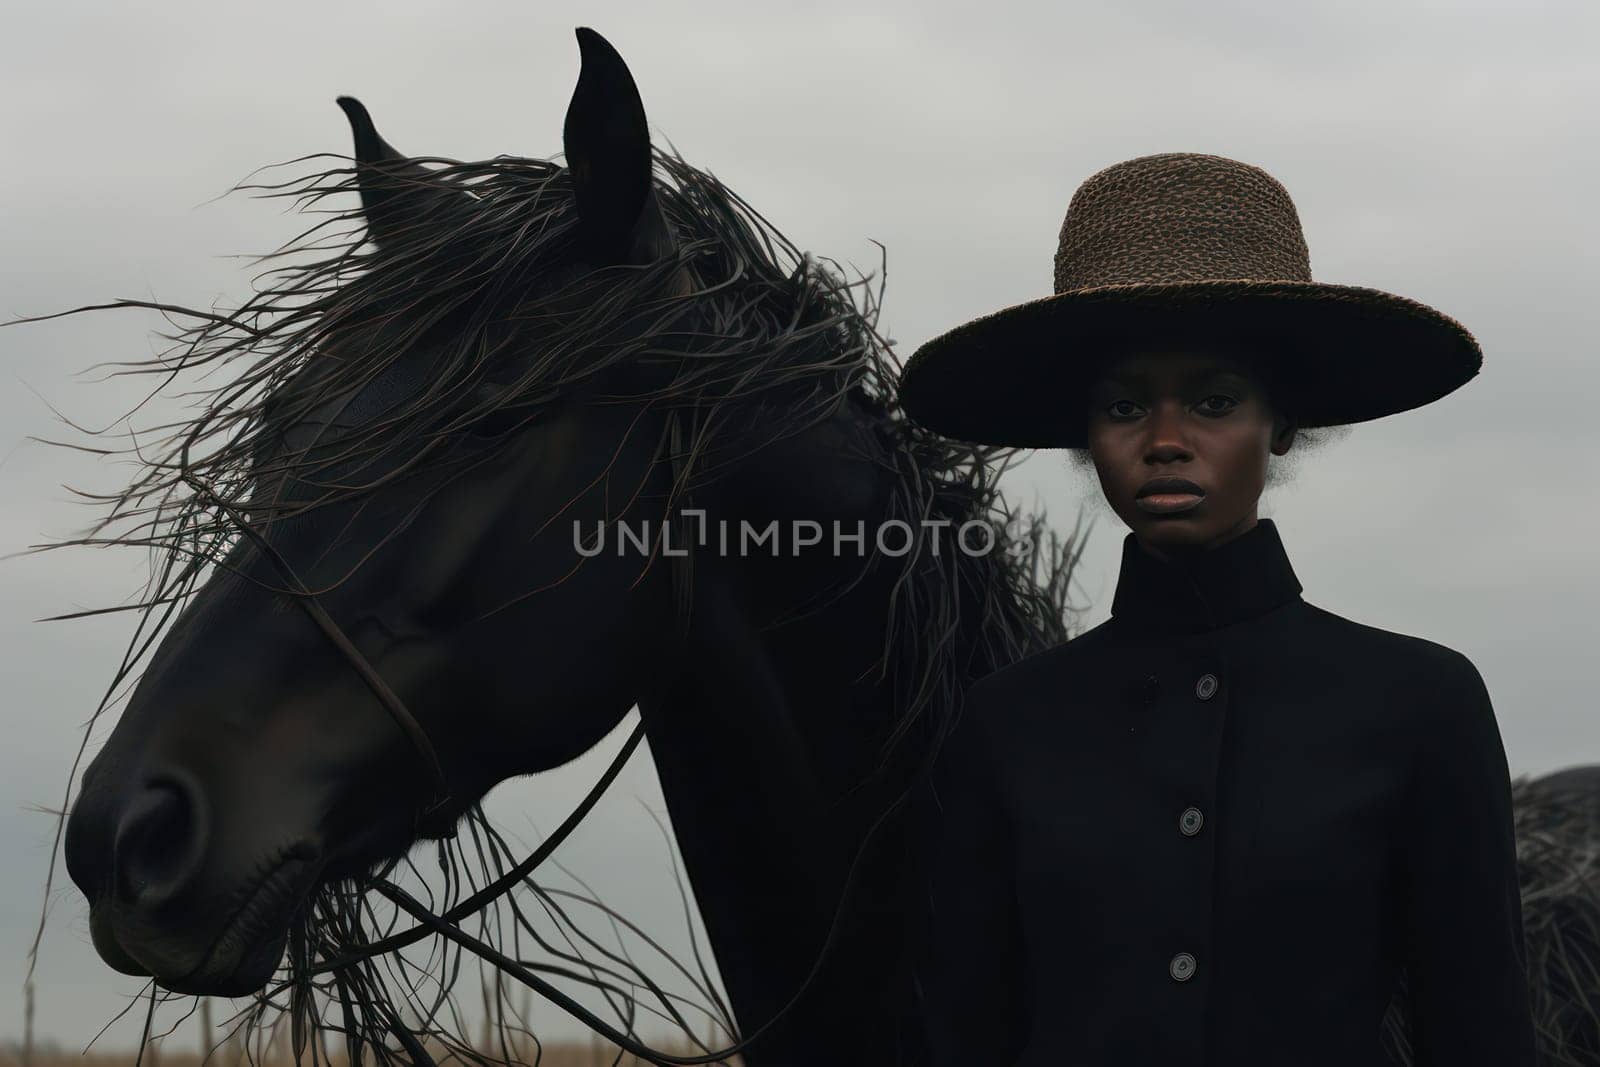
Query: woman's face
<point>1180,440</point>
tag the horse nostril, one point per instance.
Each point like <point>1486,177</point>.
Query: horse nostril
<point>160,841</point>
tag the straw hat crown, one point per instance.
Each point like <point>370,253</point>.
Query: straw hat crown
<point>1180,217</point>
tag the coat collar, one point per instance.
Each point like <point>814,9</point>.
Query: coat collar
<point>1238,580</point>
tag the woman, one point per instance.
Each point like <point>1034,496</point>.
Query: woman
<point>1219,827</point>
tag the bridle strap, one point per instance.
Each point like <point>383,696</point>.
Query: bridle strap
<point>386,696</point>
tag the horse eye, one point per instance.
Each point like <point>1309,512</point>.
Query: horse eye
<point>499,422</point>
<point>500,414</point>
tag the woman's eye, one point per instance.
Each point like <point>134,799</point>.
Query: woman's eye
<point>1218,404</point>
<point>1122,409</point>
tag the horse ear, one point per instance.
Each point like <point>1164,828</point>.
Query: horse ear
<point>607,145</point>
<point>394,192</point>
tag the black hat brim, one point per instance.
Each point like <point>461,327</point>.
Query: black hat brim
<point>1333,354</point>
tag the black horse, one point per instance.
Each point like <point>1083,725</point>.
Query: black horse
<point>379,606</point>
<point>398,569</point>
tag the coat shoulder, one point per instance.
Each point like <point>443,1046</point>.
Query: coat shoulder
<point>1426,669</point>
<point>1030,672</point>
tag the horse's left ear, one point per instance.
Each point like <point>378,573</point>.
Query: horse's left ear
<point>607,146</point>
<point>394,188</point>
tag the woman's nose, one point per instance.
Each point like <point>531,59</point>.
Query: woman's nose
<point>1166,431</point>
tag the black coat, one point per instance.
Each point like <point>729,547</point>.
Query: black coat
<point>1212,830</point>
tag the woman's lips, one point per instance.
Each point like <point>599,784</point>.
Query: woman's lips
<point>1169,503</point>
<point>1168,495</point>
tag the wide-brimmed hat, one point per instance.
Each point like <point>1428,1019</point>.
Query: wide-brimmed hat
<point>1184,247</point>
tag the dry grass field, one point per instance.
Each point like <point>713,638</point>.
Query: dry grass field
<point>569,1055</point>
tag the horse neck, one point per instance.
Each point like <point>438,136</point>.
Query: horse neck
<point>765,748</point>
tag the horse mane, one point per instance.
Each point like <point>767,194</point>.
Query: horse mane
<point>479,286</point>
<point>478,283</point>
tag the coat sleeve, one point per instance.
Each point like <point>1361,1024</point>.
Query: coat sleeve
<point>970,967</point>
<point>1465,960</point>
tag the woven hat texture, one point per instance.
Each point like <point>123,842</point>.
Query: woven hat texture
<point>1184,249</point>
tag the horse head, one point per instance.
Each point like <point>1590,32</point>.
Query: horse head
<point>415,485</point>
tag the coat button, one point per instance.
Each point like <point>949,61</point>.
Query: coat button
<point>1190,821</point>
<point>1182,967</point>
<point>1206,687</point>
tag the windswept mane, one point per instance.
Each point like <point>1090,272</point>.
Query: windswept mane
<point>480,285</point>
<point>480,288</point>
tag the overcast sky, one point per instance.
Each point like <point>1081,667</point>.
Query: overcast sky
<point>1445,151</point>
